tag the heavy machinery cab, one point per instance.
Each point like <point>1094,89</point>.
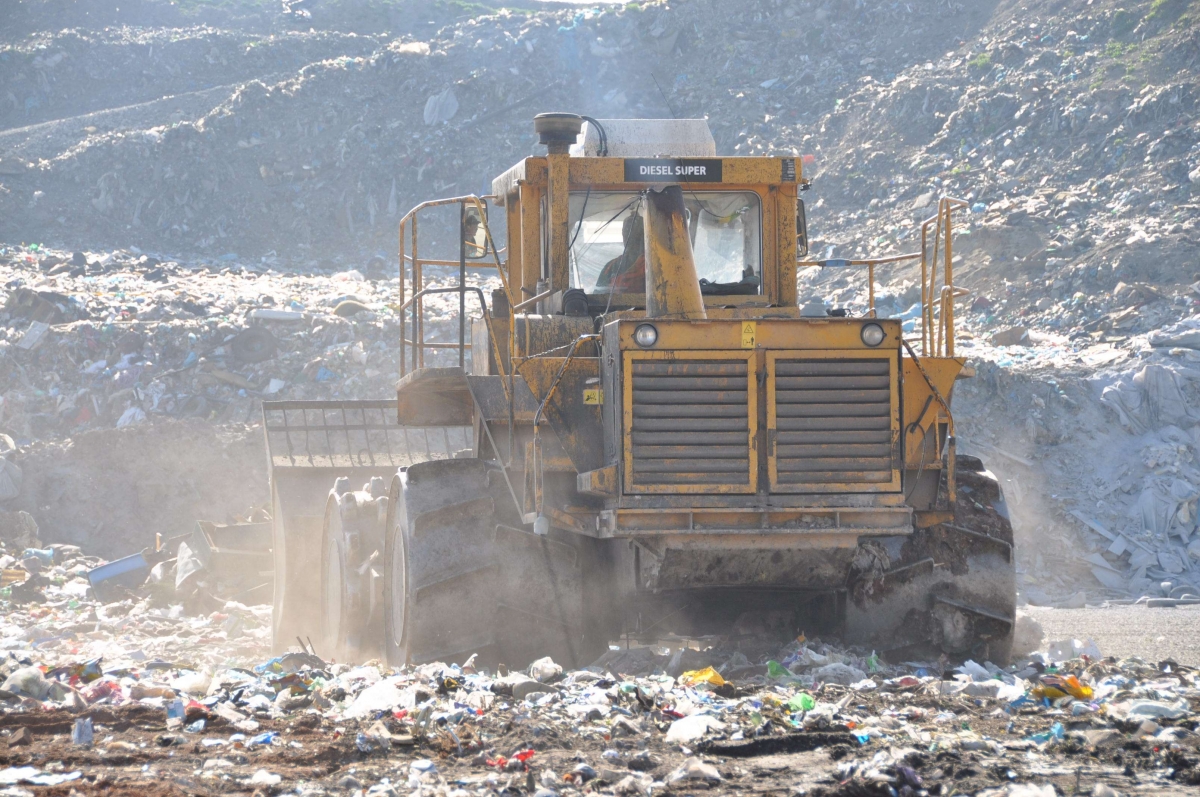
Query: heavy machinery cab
<point>741,216</point>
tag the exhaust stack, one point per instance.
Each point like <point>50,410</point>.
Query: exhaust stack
<point>558,131</point>
<point>672,285</point>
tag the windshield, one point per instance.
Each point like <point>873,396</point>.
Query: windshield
<point>607,247</point>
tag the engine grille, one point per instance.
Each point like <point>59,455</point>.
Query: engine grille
<point>691,425</point>
<point>833,423</point>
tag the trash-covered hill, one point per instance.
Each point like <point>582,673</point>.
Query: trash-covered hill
<point>1074,138</point>
<point>23,18</point>
<point>333,152</point>
<point>1069,128</point>
<point>160,213</point>
<point>134,75</point>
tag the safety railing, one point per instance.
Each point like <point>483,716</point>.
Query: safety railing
<point>937,287</point>
<point>409,235</point>
<point>412,273</point>
<point>938,291</point>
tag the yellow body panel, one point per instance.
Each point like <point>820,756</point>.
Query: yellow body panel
<point>922,412</point>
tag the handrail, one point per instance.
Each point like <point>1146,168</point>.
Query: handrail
<point>937,304</point>
<point>948,295</point>
<point>462,289</point>
<point>409,222</point>
<point>870,263</point>
<point>435,262</point>
<point>507,373</point>
<point>532,300</point>
<point>937,309</point>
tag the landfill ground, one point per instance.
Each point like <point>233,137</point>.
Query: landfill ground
<point>1153,634</point>
<point>825,721</point>
<point>198,208</point>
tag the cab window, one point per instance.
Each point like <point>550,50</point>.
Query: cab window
<point>725,228</point>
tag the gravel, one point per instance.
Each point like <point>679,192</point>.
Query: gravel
<point>1121,631</point>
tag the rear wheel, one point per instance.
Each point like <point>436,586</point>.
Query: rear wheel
<point>351,545</point>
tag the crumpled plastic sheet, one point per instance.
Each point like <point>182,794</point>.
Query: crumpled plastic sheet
<point>1151,399</point>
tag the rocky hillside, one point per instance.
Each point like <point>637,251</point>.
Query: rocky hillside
<point>168,170</point>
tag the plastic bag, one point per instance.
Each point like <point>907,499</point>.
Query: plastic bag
<point>193,683</point>
<point>802,701</point>
<point>82,734</point>
<point>28,681</point>
<point>706,676</point>
<point>1056,686</point>
<point>545,670</point>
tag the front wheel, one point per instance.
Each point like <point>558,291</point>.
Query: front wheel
<point>952,588</point>
<point>464,576</point>
<point>440,575</point>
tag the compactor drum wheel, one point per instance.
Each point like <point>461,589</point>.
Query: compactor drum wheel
<point>351,545</point>
<point>950,588</point>
<point>460,581</point>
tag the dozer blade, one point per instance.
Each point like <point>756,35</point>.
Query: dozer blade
<point>311,444</point>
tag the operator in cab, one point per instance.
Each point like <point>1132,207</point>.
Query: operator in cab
<point>626,273</point>
<point>471,235</point>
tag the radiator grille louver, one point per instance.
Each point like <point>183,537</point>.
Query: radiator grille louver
<point>691,423</point>
<point>833,422</point>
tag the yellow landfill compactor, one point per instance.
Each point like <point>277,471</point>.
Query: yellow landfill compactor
<point>646,431</point>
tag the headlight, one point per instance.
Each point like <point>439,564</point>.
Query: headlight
<point>646,336</point>
<point>872,334</point>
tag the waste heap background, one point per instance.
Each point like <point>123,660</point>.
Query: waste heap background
<point>211,164</point>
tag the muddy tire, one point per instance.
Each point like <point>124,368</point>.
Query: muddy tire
<point>464,576</point>
<point>352,533</point>
<point>952,587</point>
<point>439,565</point>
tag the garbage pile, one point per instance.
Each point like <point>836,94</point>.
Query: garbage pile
<point>331,153</point>
<point>111,694</point>
<point>114,339</point>
<point>84,73</point>
<point>1076,158</point>
<point>1099,467</point>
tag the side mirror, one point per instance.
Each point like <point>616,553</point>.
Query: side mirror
<point>801,231</point>
<point>473,231</point>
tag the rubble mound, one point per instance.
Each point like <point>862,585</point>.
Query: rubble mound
<point>185,207</point>
<point>332,152</point>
